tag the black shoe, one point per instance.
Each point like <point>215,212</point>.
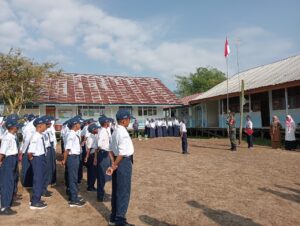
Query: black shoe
<point>38,206</point>
<point>77,204</point>
<point>91,189</point>
<point>7,211</point>
<point>47,194</point>
<point>125,224</point>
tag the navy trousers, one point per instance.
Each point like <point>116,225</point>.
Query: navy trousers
<point>176,131</point>
<point>164,131</point>
<point>27,173</point>
<point>48,171</point>
<point>72,176</point>
<point>170,131</point>
<point>250,141</point>
<point>91,171</point>
<point>184,143</point>
<point>53,168</point>
<point>152,133</point>
<point>159,131</point>
<point>103,162</point>
<point>7,177</point>
<point>39,167</point>
<point>121,188</point>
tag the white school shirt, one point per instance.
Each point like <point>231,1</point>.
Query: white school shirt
<point>163,123</point>
<point>28,133</point>
<point>249,124</point>
<point>170,123</point>
<point>104,138</point>
<point>121,143</point>
<point>53,135</point>
<point>73,143</point>
<point>46,136</point>
<point>9,145</point>
<point>91,143</point>
<point>176,122</point>
<point>152,125</point>
<point>183,128</point>
<point>290,132</point>
<point>36,146</point>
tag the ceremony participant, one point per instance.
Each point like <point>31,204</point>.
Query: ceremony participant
<point>135,129</point>
<point>176,127</point>
<point>103,157</point>
<point>158,128</point>
<point>164,127</point>
<point>71,161</point>
<point>249,132</point>
<point>36,156</point>
<point>275,133</point>
<point>8,167</point>
<point>63,134</point>
<point>152,129</point>
<point>170,128</point>
<point>183,135</point>
<point>232,131</point>
<point>290,129</point>
<point>147,128</point>
<point>91,148</point>
<point>28,132</point>
<point>121,169</point>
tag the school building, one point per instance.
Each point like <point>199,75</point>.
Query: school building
<point>93,95</point>
<point>272,89</point>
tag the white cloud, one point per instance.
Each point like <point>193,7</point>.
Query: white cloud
<point>74,25</point>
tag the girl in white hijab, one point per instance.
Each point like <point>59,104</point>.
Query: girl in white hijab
<point>290,139</point>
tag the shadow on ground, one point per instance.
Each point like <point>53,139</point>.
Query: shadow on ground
<point>223,217</point>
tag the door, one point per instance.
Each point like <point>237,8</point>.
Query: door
<point>50,110</point>
<point>265,110</point>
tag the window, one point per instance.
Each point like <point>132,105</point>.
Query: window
<point>91,111</point>
<point>256,102</point>
<point>294,97</point>
<point>31,106</point>
<point>147,111</point>
<point>278,99</point>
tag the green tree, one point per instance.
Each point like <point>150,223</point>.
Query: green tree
<point>21,79</point>
<point>200,81</point>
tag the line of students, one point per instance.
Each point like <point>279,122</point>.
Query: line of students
<point>108,156</point>
<point>162,128</point>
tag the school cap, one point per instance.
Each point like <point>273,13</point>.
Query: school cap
<point>103,119</point>
<point>12,123</point>
<point>40,120</point>
<point>123,114</point>
<point>12,117</point>
<point>90,120</point>
<point>92,127</point>
<point>30,117</point>
<point>74,121</point>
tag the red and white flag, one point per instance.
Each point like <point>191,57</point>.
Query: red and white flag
<point>227,49</point>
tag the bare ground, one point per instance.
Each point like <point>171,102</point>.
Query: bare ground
<point>211,186</point>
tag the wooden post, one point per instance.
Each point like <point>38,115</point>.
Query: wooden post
<point>241,111</point>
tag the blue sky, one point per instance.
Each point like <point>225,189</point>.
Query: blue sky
<point>157,38</point>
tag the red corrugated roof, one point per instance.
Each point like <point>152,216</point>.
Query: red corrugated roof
<point>102,89</point>
<point>187,99</point>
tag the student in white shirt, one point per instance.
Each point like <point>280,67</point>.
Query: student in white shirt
<point>121,169</point>
<point>36,155</point>
<point>91,148</point>
<point>183,135</point>
<point>72,160</point>
<point>249,132</point>
<point>102,157</point>
<point>8,166</point>
<point>28,131</point>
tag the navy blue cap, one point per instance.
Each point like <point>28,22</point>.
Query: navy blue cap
<point>103,119</point>
<point>74,121</point>
<point>124,114</point>
<point>40,120</point>
<point>30,117</point>
<point>12,123</point>
<point>47,119</point>
<point>92,127</point>
<point>12,117</point>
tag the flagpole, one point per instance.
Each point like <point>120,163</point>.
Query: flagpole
<point>227,86</point>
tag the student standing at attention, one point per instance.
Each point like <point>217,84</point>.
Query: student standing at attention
<point>36,156</point>
<point>103,157</point>
<point>121,169</point>
<point>183,135</point>
<point>8,166</point>
<point>71,161</point>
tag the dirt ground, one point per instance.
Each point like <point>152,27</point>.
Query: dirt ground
<point>211,186</point>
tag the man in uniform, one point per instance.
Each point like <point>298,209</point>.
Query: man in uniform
<point>232,131</point>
